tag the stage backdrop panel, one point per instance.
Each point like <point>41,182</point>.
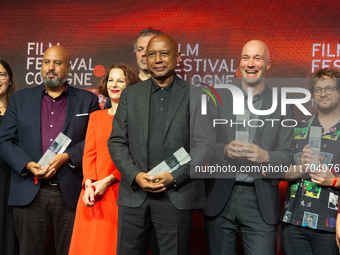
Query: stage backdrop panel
<point>302,36</point>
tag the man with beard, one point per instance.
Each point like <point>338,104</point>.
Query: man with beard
<point>247,202</point>
<point>34,118</point>
<point>309,215</point>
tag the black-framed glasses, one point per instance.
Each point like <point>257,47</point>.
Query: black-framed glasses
<point>328,90</point>
<point>3,75</point>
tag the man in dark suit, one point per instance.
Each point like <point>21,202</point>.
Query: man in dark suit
<point>35,116</point>
<point>154,119</point>
<point>249,203</point>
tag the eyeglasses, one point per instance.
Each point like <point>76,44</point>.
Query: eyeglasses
<point>3,75</point>
<point>328,90</point>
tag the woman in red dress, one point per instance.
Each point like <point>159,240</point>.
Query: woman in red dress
<point>96,222</point>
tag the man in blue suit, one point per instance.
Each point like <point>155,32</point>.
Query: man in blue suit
<point>34,118</point>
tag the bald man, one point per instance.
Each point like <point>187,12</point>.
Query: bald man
<point>34,118</point>
<point>154,119</point>
<point>247,202</point>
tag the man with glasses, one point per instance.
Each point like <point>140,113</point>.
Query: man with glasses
<point>312,196</point>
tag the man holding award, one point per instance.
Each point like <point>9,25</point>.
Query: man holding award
<point>41,193</point>
<point>247,202</point>
<point>312,197</point>
<point>154,120</point>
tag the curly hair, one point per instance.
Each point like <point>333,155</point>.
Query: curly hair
<point>12,87</point>
<point>130,77</point>
<point>333,73</point>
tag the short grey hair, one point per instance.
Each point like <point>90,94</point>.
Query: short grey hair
<point>146,32</point>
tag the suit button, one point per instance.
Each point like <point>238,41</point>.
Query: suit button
<point>39,149</point>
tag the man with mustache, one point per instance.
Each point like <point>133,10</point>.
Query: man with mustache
<point>34,118</point>
<point>248,202</point>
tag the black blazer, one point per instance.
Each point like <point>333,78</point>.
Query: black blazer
<point>20,142</point>
<point>276,140</point>
<point>128,143</point>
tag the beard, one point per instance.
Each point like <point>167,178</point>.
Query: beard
<point>327,108</point>
<point>52,83</point>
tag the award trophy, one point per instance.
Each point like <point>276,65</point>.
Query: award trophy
<point>315,144</point>
<point>242,133</point>
<point>58,146</point>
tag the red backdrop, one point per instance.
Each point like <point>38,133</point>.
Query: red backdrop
<point>301,35</point>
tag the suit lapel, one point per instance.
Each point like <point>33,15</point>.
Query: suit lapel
<point>71,104</point>
<point>229,116</point>
<point>178,92</point>
<point>231,130</point>
<point>144,114</point>
<point>266,104</point>
<point>36,106</point>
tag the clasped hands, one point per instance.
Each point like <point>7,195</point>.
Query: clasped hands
<point>154,183</point>
<point>251,152</point>
<point>321,174</point>
<point>45,173</point>
<point>95,190</point>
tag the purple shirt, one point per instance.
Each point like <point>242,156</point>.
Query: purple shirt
<point>53,112</point>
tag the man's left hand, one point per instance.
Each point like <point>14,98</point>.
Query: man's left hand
<point>255,153</point>
<point>322,176</point>
<point>57,161</point>
<point>165,178</point>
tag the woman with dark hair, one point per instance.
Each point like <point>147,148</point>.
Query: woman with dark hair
<point>95,226</point>
<point>7,86</point>
<point>8,241</point>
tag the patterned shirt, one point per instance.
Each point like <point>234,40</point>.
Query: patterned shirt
<point>309,204</point>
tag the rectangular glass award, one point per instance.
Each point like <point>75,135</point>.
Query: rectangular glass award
<point>242,133</point>
<point>179,158</point>
<point>315,145</point>
<point>58,146</point>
